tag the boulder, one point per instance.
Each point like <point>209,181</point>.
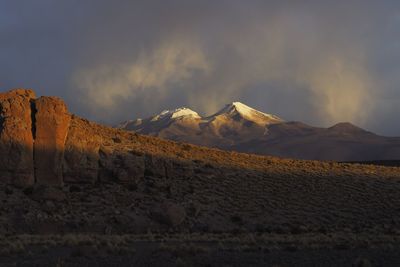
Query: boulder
<point>16,137</point>
<point>168,213</point>
<point>52,121</point>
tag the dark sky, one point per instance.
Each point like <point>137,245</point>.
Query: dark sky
<point>319,62</point>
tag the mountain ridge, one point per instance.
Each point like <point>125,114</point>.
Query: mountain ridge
<point>240,127</point>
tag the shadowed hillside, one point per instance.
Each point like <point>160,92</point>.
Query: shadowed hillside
<point>117,192</point>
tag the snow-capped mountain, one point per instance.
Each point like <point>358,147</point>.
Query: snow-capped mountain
<point>242,128</point>
<point>234,111</point>
<point>158,122</point>
<point>233,124</point>
<point>248,113</point>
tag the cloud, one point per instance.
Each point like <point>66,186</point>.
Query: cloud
<point>149,77</point>
<point>316,61</point>
<point>283,49</point>
<point>343,90</point>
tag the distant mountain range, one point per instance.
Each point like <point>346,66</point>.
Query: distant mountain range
<point>242,128</point>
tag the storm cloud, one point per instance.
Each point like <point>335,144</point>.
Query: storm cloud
<point>320,62</point>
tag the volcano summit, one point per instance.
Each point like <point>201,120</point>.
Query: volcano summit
<point>245,129</point>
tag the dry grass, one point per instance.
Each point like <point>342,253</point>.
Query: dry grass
<point>234,203</point>
<point>183,244</point>
<point>209,157</point>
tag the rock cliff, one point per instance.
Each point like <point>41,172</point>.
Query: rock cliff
<point>42,143</point>
<point>16,137</point>
<point>51,126</point>
<point>32,138</point>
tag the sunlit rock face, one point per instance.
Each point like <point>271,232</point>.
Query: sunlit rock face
<point>52,122</point>
<point>16,137</point>
<point>32,138</point>
<point>41,143</point>
<point>81,155</point>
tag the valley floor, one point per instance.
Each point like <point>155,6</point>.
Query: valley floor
<point>283,213</point>
<point>338,249</point>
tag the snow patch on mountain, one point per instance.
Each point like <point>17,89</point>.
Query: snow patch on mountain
<point>234,118</point>
<point>176,113</point>
<point>248,113</point>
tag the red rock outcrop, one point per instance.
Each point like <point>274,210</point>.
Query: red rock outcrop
<point>42,143</point>
<point>52,121</point>
<point>16,138</point>
<point>81,156</point>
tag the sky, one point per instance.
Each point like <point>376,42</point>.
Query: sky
<point>320,62</point>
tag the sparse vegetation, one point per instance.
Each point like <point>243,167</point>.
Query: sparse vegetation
<point>231,203</point>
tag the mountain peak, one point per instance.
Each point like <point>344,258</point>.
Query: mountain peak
<point>346,127</point>
<point>176,113</point>
<point>249,113</point>
<point>184,112</point>
<point>226,118</point>
<point>239,106</point>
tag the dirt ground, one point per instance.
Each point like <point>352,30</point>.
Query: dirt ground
<point>231,218</point>
<point>201,250</point>
<point>214,208</point>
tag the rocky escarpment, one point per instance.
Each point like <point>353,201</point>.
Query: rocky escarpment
<point>16,137</point>
<point>42,143</point>
<point>51,126</point>
<point>32,138</point>
<point>121,182</point>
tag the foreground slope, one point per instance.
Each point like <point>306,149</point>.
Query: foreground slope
<point>242,128</point>
<point>262,191</point>
<point>117,190</point>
